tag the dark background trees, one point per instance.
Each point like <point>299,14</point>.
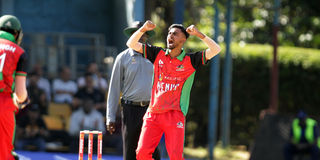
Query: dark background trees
<point>299,20</point>
<point>252,23</point>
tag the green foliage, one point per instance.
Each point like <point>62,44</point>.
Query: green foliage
<point>253,20</point>
<point>252,23</point>
<point>299,84</point>
<point>220,153</point>
<point>308,58</point>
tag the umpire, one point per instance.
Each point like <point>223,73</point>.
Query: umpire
<point>132,76</point>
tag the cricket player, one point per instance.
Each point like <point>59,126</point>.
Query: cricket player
<point>13,92</point>
<point>132,76</point>
<point>174,72</point>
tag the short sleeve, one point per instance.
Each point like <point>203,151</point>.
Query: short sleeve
<point>198,59</point>
<point>150,52</point>
<point>21,66</point>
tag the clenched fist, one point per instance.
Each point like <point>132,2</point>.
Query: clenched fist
<point>148,26</point>
<point>19,105</point>
<point>111,127</point>
<point>193,30</point>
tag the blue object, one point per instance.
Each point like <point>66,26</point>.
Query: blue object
<point>28,155</point>
<point>227,82</point>
<point>178,11</point>
<point>214,89</point>
<point>138,10</point>
<point>301,115</point>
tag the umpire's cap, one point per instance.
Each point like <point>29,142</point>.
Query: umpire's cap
<point>134,27</point>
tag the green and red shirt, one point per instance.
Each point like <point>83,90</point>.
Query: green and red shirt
<point>12,62</point>
<point>173,78</point>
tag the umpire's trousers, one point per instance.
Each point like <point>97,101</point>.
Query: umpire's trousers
<point>132,119</point>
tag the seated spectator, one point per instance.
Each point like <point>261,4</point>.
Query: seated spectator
<point>304,136</point>
<point>64,88</point>
<point>37,95</point>
<point>31,129</point>
<point>85,118</point>
<point>43,83</point>
<point>88,91</point>
<point>98,81</point>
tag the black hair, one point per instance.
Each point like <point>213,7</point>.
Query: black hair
<point>11,31</point>
<point>180,26</point>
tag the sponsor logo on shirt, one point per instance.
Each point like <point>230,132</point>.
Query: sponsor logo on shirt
<point>161,76</point>
<point>165,87</point>
<point>133,60</point>
<point>161,63</point>
<point>173,78</point>
<point>179,125</point>
<point>180,68</point>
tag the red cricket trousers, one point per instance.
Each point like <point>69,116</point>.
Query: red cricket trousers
<point>170,123</point>
<point>7,126</point>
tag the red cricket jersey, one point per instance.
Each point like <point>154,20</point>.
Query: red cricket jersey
<point>11,64</point>
<point>173,78</point>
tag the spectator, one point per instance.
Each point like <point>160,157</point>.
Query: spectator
<point>31,129</point>
<point>98,81</point>
<point>303,137</point>
<point>37,95</point>
<point>88,91</point>
<point>64,88</point>
<point>85,118</point>
<point>42,83</point>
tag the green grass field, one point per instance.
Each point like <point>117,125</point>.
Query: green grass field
<point>229,153</point>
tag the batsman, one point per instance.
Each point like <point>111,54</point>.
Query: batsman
<point>174,72</point>
<point>13,92</point>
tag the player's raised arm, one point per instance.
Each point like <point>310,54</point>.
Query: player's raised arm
<point>213,49</point>
<point>133,41</point>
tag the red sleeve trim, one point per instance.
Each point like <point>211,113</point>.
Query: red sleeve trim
<point>144,47</point>
<point>204,61</point>
<point>19,73</point>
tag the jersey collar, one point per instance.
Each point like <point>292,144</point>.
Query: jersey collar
<point>133,52</point>
<point>7,36</point>
<point>180,57</point>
